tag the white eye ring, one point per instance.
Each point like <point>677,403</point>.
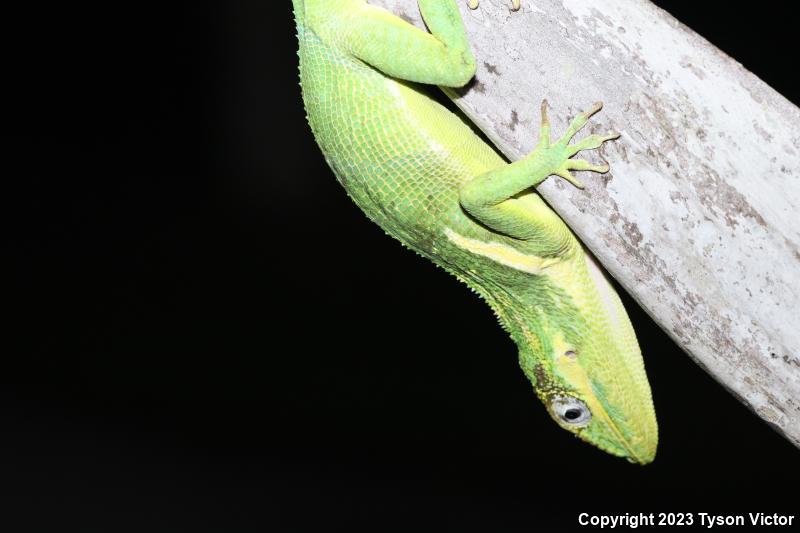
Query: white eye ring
<point>571,411</point>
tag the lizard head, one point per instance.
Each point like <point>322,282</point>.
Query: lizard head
<point>585,364</point>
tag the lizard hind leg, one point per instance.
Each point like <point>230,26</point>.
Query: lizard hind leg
<point>473,4</point>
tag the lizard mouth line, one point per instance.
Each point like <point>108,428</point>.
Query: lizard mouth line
<point>632,454</point>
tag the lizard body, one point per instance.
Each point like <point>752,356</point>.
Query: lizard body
<point>427,179</point>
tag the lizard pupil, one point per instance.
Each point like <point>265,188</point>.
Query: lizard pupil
<point>572,414</point>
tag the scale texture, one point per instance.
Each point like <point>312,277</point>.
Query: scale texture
<point>418,170</point>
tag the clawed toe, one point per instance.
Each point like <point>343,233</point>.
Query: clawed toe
<point>473,4</point>
<point>591,142</point>
<point>582,164</point>
<point>579,122</point>
<point>564,173</point>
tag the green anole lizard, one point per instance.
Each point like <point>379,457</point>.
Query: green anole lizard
<point>422,174</point>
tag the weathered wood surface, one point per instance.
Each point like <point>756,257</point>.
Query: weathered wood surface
<point>698,218</point>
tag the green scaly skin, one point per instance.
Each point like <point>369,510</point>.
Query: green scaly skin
<point>419,171</point>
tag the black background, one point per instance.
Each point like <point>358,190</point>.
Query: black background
<point>206,335</point>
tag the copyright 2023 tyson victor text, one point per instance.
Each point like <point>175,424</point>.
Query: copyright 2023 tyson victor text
<point>707,520</point>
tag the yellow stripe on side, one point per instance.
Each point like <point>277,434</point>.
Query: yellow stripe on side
<point>503,254</point>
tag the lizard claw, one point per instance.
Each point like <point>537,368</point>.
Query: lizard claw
<point>579,122</point>
<point>473,4</point>
<point>591,142</point>
<point>582,164</point>
<point>544,132</point>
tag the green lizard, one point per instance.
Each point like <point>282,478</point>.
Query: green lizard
<point>422,174</point>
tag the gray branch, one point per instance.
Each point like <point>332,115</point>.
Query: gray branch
<point>698,219</point>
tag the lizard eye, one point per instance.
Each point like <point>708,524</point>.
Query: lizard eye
<point>571,411</point>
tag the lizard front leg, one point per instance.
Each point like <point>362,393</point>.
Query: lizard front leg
<point>494,198</point>
<point>400,50</point>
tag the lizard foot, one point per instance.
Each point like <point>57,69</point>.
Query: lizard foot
<point>473,4</point>
<point>561,152</point>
